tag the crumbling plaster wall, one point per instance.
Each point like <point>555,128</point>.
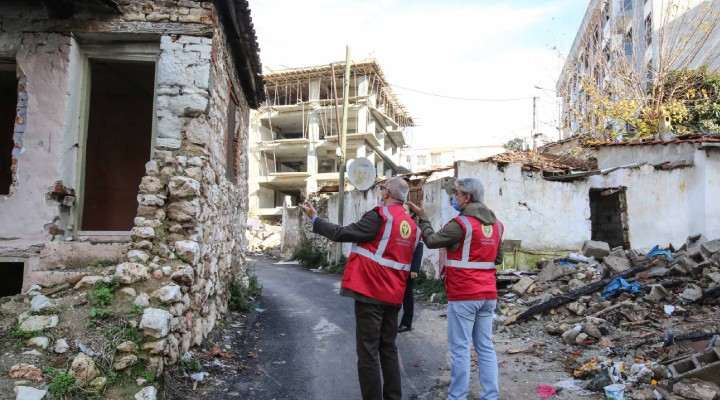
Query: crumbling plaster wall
<point>556,215</point>
<point>27,214</point>
<point>621,155</point>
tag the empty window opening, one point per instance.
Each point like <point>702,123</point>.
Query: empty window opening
<point>8,111</point>
<point>231,141</point>
<point>12,281</point>
<point>119,136</point>
<point>608,214</point>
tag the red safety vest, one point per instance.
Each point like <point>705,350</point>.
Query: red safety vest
<point>470,270</point>
<point>380,268</point>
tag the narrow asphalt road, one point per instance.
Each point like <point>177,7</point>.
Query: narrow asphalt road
<point>300,344</point>
<point>303,340</point>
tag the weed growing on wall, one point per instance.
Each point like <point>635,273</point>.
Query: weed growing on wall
<point>243,293</point>
<point>429,287</point>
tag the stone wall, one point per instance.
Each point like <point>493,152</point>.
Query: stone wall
<point>190,229</point>
<point>187,243</point>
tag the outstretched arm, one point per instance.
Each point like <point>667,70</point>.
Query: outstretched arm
<point>364,230</point>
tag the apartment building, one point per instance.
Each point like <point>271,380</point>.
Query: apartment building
<point>427,158</point>
<point>294,134</point>
<point>622,41</point>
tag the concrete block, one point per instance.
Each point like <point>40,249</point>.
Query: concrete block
<point>617,264</point>
<point>704,366</point>
<point>710,248</point>
<point>523,285</point>
<point>592,248</point>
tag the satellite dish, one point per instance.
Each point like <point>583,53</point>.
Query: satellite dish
<point>361,173</point>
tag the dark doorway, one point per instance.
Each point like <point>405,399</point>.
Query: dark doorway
<point>119,136</point>
<point>12,278</point>
<point>8,111</point>
<point>608,214</point>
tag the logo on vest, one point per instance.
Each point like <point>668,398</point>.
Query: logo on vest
<point>405,230</point>
<point>487,230</point>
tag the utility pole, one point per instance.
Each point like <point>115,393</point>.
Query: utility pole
<point>534,124</point>
<point>343,143</point>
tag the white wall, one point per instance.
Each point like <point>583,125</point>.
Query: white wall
<point>45,60</point>
<point>617,156</point>
<point>663,206</point>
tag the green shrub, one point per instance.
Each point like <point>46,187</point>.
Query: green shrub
<point>101,296</point>
<point>337,266</point>
<point>427,287</point>
<point>99,313</point>
<point>308,255</point>
<point>62,384</point>
<point>241,296</point>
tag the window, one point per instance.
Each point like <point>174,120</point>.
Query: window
<point>648,30</point>
<point>422,160</point>
<point>231,141</point>
<point>8,109</point>
<point>12,282</point>
<point>628,44</point>
<point>435,159</point>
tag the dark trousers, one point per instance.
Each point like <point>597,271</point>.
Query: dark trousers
<point>378,365</point>
<point>408,305</point>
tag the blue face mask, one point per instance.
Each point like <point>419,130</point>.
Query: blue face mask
<point>455,204</point>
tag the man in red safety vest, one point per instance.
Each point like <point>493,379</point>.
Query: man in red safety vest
<point>375,275</point>
<point>473,242</point>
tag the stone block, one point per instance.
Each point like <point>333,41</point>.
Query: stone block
<point>29,393</point>
<point>523,285</point>
<point>155,322</point>
<point>169,144</point>
<point>38,323</point>
<point>168,294</point>
<point>550,272</point>
<point>184,210</point>
<point>130,272</point>
<point>181,186</point>
<point>617,264</point>
<point>83,369</point>
<point>592,248</point>
<point>711,247</point>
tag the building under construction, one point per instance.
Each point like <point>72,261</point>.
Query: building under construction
<point>294,144</point>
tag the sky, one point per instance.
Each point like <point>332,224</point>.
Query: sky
<point>442,58</point>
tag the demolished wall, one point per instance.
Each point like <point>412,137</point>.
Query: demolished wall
<point>663,206</point>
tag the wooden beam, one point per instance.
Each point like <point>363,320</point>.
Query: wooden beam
<point>115,26</point>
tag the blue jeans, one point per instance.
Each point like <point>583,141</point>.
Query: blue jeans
<point>469,322</point>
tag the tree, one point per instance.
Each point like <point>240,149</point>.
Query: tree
<point>514,144</point>
<point>622,83</point>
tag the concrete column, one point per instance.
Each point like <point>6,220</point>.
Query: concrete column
<point>363,112</point>
<point>314,137</point>
<point>362,150</point>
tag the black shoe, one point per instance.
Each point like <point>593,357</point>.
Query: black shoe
<point>403,328</point>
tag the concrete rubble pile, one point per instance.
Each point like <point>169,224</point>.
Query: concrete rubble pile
<point>263,237</point>
<point>648,322</point>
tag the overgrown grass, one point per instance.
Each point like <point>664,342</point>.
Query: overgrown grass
<point>62,383</point>
<point>101,296</point>
<point>242,296</point>
<point>308,255</point>
<point>428,286</point>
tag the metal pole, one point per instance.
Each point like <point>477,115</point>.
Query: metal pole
<point>532,134</point>
<point>343,143</point>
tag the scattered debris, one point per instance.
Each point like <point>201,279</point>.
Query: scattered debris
<point>632,324</point>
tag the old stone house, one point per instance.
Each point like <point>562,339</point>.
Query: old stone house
<point>123,129</point>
